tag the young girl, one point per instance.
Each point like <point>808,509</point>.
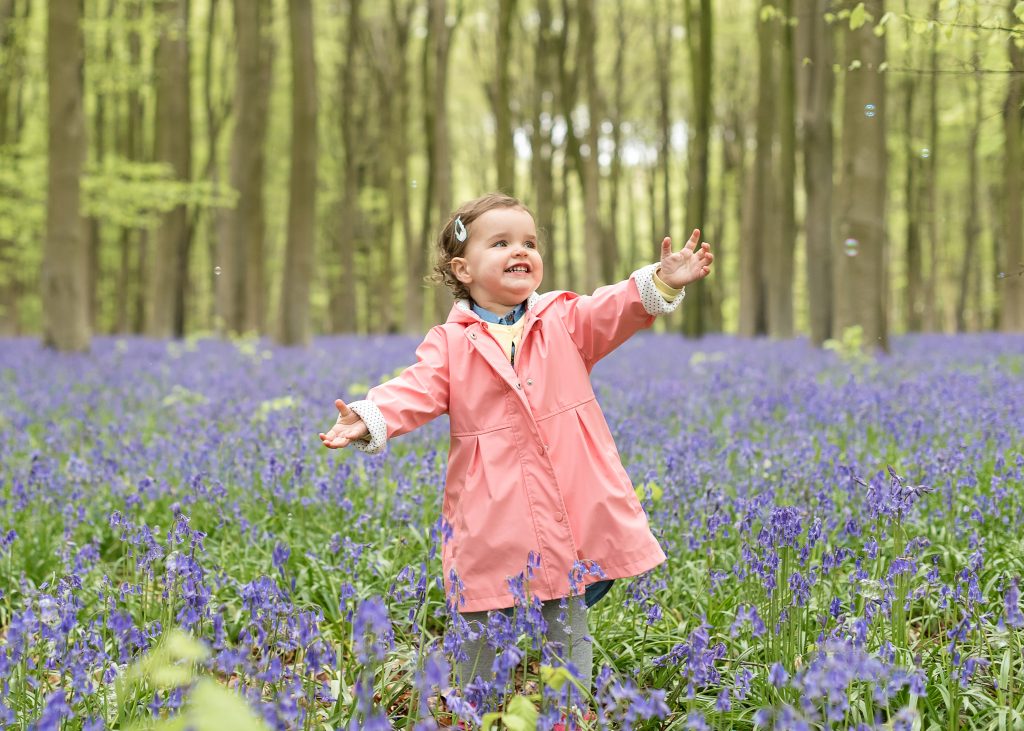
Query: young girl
<point>533,470</point>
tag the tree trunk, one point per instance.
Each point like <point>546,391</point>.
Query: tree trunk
<point>779,291</point>
<point>64,293</point>
<point>696,313</point>
<point>343,298</point>
<point>165,311</point>
<point>12,75</point>
<point>100,124</point>
<point>298,269</point>
<point>814,41</point>
<point>504,151</point>
<point>442,168</point>
<point>968,303</point>
<point>758,216</point>
<point>542,169</point>
<point>1012,295</point>
<point>661,35</point>
<point>930,202</point>
<point>589,169</point>
<point>612,271</point>
<point>242,281</point>
<point>860,275</point>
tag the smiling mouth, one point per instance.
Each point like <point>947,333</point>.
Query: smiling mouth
<point>519,268</point>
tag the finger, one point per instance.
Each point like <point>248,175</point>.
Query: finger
<point>342,408</point>
<point>691,243</point>
<point>666,246</point>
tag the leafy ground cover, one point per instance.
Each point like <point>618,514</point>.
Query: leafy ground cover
<point>844,539</point>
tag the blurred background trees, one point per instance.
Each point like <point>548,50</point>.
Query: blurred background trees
<point>282,166</point>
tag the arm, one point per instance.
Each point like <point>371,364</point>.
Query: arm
<point>601,322</point>
<point>411,399</point>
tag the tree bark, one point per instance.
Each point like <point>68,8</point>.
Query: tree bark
<point>816,81</point>
<point>441,180</point>
<point>1012,295</point>
<point>698,302</point>
<point>542,170</point>
<point>165,310</point>
<point>930,203</point>
<point>860,274</point>
<point>64,293</point>
<point>589,169</point>
<point>298,269</point>
<point>242,281</point>
<point>504,150</point>
<point>343,298</point>
<point>779,291</point>
<point>12,74</point>
<point>758,219</point>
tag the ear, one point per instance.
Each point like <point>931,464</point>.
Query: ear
<point>460,268</point>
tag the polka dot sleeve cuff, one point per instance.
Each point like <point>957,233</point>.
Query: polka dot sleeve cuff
<point>654,302</point>
<point>374,421</point>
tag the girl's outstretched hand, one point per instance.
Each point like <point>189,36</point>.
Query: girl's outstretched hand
<point>686,265</point>
<point>348,428</point>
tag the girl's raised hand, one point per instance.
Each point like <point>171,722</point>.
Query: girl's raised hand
<point>686,265</point>
<point>348,428</point>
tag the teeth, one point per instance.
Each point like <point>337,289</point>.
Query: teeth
<point>517,269</point>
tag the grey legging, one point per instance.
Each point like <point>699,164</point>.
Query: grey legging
<point>573,634</point>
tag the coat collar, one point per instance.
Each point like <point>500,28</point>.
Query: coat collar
<point>462,312</point>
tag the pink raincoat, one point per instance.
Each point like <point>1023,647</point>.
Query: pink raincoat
<point>532,465</point>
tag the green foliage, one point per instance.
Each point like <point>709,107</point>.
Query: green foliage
<point>850,347</point>
<point>173,664</point>
<point>136,194</point>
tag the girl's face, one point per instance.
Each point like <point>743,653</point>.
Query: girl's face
<point>501,265</point>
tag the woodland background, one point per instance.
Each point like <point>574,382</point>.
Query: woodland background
<point>179,167</point>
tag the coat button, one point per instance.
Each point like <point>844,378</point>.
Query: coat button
<point>529,381</point>
<point>558,517</point>
<point>519,386</point>
<point>472,336</point>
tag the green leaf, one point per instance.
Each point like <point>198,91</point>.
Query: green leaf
<point>858,16</point>
<point>521,715</point>
<point>554,677</point>
<point>215,707</point>
<point>1018,10</point>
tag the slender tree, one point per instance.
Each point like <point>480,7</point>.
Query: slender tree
<point>815,83</point>
<point>860,275</point>
<point>500,94</point>
<point>542,166</point>
<point>699,27</point>
<point>12,73</point>
<point>298,269</point>
<point>1012,273</point>
<point>344,236</point>
<point>165,313</point>
<point>241,255</point>
<point>780,264</point>
<point>589,169</point>
<point>64,292</point>
<point>759,219</point>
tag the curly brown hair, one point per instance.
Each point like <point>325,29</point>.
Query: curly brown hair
<point>449,247</point>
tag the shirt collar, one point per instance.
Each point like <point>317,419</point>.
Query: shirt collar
<point>510,319</point>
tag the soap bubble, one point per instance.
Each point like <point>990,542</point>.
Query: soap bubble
<point>217,270</point>
<point>925,152</point>
<point>1003,275</point>
<point>851,246</point>
<point>869,110</point>
<point>412,184</point>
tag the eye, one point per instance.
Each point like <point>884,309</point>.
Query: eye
<point>501,243</point>
<point>531,244</point>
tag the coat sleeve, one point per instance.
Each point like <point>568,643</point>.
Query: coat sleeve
<point>601,322</point>
<point>410,399</point>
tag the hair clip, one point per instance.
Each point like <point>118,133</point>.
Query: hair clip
<point>460,229</point>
